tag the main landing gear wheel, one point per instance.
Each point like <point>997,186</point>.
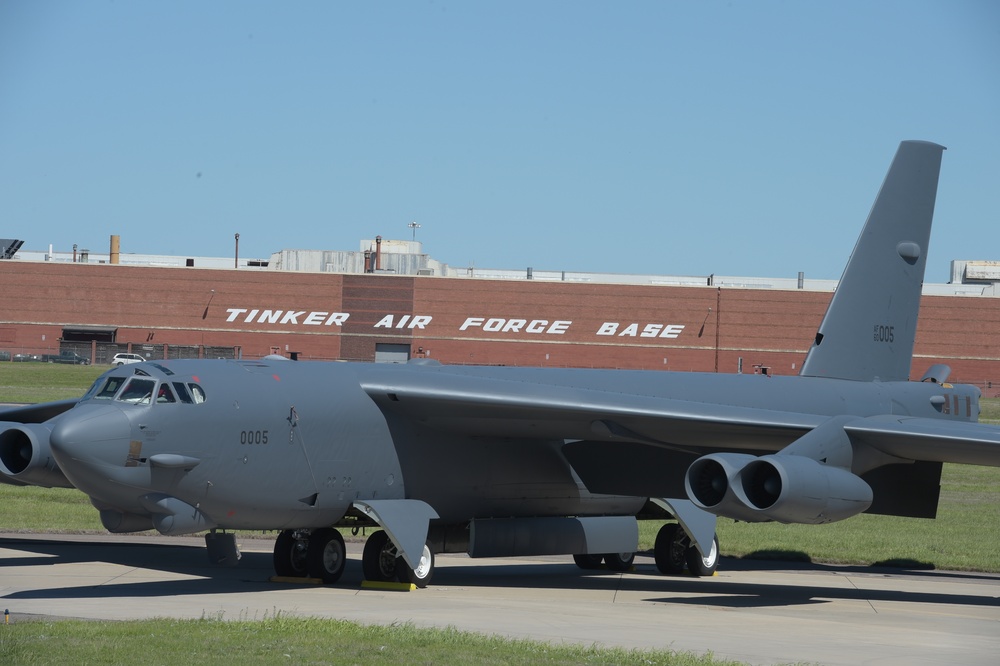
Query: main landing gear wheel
<point>421,576</point>
<point>327,555</point>
<point>703,566</point>
<point>619,561</point>
<point>674,550</point>
<point>378,562</point>
<point>588,562</point>
<point>669,549</point>
<point>290,555</point>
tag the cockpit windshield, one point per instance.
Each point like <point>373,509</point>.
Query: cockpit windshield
<point>140,389</point>
<point>105,388</point>
<point>111,387</point>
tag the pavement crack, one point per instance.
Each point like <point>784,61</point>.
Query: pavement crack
<point>870,604</point>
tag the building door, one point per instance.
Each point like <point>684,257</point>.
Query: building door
<point>391,353</point>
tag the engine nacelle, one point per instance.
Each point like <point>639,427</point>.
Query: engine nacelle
<point>25,455</point>
<point>709,484</point>
<point>796,489</point>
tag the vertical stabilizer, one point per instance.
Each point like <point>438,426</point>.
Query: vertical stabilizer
<point>869,327</point>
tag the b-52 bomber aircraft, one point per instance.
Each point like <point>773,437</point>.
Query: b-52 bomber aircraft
<point>504,461</point>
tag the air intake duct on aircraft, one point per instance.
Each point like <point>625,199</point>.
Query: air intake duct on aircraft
<point>709,483</point>
<point>783,487</point>
<point>26,458</point>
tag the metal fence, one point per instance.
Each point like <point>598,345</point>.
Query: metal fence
<point>105,351</point>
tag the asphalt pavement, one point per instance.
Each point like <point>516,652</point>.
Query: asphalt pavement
<point>755,612</point>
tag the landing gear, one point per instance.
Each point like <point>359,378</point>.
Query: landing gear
<point>703,566</point>
<point>326,555</point>
<point>669,549</point>
<point>421,576</point>
<point>290,554</point>
<point>619,561</point>
<point>317,554</point>
<point>382,562</point>
<point>378,562</point>
<point>613,561</point>
<point>588,562</point>
<point>674,550</point>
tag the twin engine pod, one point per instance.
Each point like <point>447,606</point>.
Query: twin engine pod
<point>25,456</point>
<point>782,487</point>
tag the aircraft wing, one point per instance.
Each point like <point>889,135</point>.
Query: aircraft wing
<point>476,405</point>
<point>935,440</point>
<point>492,406</point>
<point>38,413</point>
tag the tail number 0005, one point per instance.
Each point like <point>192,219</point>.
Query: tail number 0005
<point>883,333</point>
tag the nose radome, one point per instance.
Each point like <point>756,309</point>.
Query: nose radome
<point>98,433</point>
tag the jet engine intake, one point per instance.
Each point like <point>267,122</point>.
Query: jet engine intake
<point>796,489</point>
<point>25,455</point>
<point>710,481</point>
<point>782,487</point>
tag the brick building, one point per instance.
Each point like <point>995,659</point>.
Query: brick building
<point>165,312</point>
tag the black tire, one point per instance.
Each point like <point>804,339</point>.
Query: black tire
<point>327,555</point>
<point>421,576</point>
<point>619,561</point>
<point>670,549</point>
<point>588,562</point>
<point>703,566</point>
<point>378,562</point>
<point>290,555</point>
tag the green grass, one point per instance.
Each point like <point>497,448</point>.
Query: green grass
<point>45,382</point>
<point>59,510</point>
<point>294,640</point>
<point>989,410</point>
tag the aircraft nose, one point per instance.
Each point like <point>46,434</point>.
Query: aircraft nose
<point>91,434</point>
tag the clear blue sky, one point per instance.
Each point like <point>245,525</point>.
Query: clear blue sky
<point>737,138</point>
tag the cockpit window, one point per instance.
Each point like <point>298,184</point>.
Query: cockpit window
<point>93,388</point>
<point>164,394</point>
<point>197,392</point>
<point>138,391</point>
<point>182,392</point>
<point>108,389</point>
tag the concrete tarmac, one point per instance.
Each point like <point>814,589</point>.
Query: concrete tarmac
<point>754,612</point>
